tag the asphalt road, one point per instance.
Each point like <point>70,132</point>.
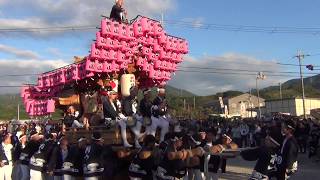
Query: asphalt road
<point>238,169</point>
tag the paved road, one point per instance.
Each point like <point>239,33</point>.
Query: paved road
<point>238,169</point>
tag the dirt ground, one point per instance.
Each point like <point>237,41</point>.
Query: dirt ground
<point>238,169</point>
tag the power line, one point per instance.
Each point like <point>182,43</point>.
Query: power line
<point>56,28</point>
<point>9,86</point>
<point>191,67</point>
<point>288,64</point>
<point>187,24</point>
<point>246,28</point>
<point>18,75</point>
<point>246,70</point>
<point>236,73</point>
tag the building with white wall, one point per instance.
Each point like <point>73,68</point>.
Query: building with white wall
<point>293,106</point>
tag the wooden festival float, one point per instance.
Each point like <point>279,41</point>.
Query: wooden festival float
<point>137,53</point>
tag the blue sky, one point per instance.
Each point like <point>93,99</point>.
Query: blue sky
<point>271,13</point>
<point>19,52</point>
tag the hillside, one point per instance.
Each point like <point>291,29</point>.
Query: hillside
<point>176,97</point>
<point>292,88</point>
<point>172,91</point>
<point>8,107</point>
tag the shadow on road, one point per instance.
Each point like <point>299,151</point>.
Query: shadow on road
<point>234,176</point>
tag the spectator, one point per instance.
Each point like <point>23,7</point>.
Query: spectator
<point>236,136</point>
<point>6,157</point>
<point>244,131</point>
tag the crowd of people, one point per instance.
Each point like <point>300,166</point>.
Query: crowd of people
<point>191,149</point>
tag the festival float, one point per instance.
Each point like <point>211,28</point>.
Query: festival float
<point>139,53</point>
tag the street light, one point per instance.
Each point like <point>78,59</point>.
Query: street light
<point>260,76</point>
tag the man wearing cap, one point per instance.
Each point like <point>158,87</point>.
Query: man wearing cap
<point>112,112</point>
<point>159,115</point>
<point>287,160</point>
<point>40,160</point>
<point>6,157</point>
<point>110,108</point>
<point>72,167</point>
<point>21,144</point>
<point>30,148</point>
<point>118,13</point>
<point>93,162</point>
<point>265,155</point>
<point>132,118</point>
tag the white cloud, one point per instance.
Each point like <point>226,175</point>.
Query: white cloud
<point>45,13</point>
<point>221,79</point>
<point>54,51</point>
<point>10,67</point>
<point>196,22</point>
<point>19,53</point>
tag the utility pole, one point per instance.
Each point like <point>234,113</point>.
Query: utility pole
<point>300,56</point>
<point>260,76</point>
<point>280,89</point>
<point>194,102</point>
<point>251,106</point>
<point>18,113</point>
<point>259,113</point>
<point>162,20</point>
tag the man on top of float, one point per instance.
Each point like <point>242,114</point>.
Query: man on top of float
<point>118,13</point>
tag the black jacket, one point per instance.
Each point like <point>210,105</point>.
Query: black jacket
<point>142,168</point>
<point>17,151</point>
<point>289,155</point>
<point>28,151</point>
<point>172,168</point>
<point>159,108</point>
<point>127,105</point>
<point>40,160</point>
<point>109,111</point>
<point>158,100</point>
<point>56,161</point>
<point>116,13</point>
<point>68,120</point>
<point>75,159</point>
<point>145,108</point>
<point>93,157</point>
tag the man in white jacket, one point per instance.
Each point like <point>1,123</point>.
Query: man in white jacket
<point>6,155</point>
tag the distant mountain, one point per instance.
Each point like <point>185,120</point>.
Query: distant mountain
<point>172,91</point>
<point>177,97</point>
<point>9,107</point>
<point>292,88</point>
